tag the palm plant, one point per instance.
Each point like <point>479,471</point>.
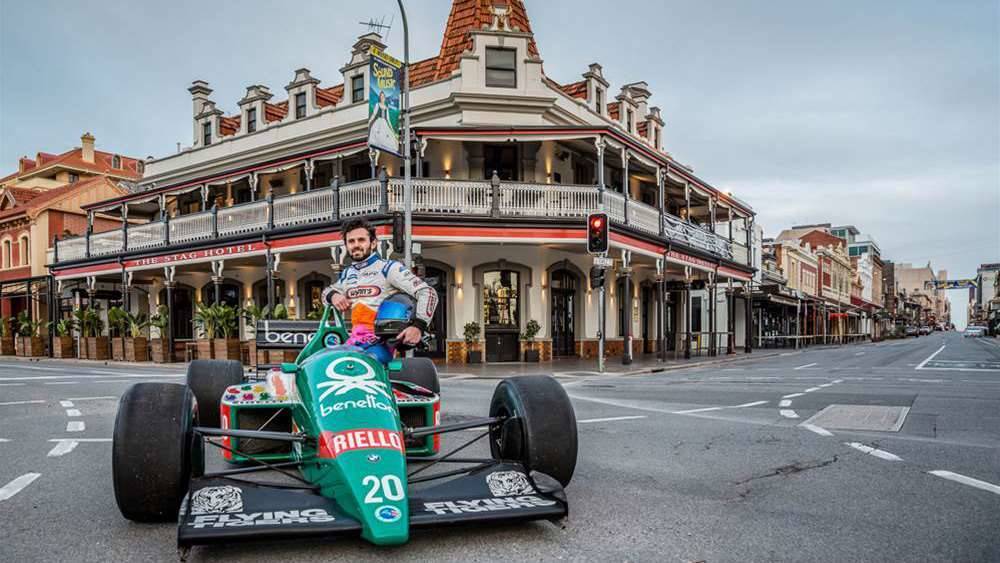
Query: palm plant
<point>118,320</point>
<point>79,317</point>
<point>25,326</point>
<point>205,318</point>
<point>64,327</point>
<point>160,320</point>
<point>136,324</point>
<point>226,319</point>
<point>93,325</point>
<point>253,314</point>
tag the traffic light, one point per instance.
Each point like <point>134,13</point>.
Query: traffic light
<point>597,233</point>
<point>597,277</point>
<point>398,233</point>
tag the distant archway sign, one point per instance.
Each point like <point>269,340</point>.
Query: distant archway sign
<point>950,284</point>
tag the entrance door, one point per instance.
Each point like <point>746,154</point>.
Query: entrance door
<point>563,284</point>
<point>503,159</point>
<point>183,311</point>
<point>501,315</point>
<point>438,279</point>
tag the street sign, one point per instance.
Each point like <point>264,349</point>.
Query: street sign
<point>604,262</point>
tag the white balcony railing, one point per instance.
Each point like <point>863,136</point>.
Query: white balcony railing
<point>430,197</point>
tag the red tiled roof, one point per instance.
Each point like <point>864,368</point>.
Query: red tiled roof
<point>422,72</point>
<point>468,15</point>
<point>275,112</point>
<point>576,89</point>
<point>229,125</point>
<point>613,110</point>
<point>42,199</point>
<point>23,195</point>
<point>73,158</point>
<point>329,96</point>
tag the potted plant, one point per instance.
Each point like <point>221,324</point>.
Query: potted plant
<point>253,313</point>
<point>32,344</point>
<point>23,330</point>
<point>227,345</point>
<point>117,325</point>
<point>472,355</point>
<point>62,344</point>
<point>136,349</point>
<point>6,337</point>
<point>205,320</point>
<point>531,330</point>
<point>97,344</point>
<point>161,344</point>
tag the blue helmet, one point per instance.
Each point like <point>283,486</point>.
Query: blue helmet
<point>394,315</point>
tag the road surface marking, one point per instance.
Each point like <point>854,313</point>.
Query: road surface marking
<point>80,440</point>
<point>4,440</point>
<point>966,481</point>
<point>789,353</point>
<point>816,429</point>
<point>63,448</point>
<point>744,405</point>
<point>838,380</point>
<point>882,454</point>
<point>792,396</point>
<point>75,426</point>
<point>788,413</point>
<point>610,419</point>
<point>15,486</point>
<point>12,384</point>
<point>706,409</point>
<point>21,403</point>
<point>66,404</point>
<point>931,357</point>
<point>61,382</point>
<point>860,354</point>
<point>785,403</point>
<point>73,412</point>
<point>811,389</point>
<point>92,398</point>
<point>807,365</point>
<point>77,376</point>
<point>825,384</point>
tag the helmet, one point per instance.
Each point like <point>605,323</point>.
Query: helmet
<point>394,315</point>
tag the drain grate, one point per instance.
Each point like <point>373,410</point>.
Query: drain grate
<point>861,417</point>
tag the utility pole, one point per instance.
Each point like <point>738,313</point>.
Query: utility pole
<point>407,157</point>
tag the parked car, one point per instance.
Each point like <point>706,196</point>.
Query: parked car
<point>925,330</point>
<point>912,331</point>
<point>974,332</point>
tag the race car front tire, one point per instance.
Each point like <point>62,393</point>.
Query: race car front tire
<point>540,430</point>
<point>420,371</point>
<point>154,450</point>
<point>208,380</point>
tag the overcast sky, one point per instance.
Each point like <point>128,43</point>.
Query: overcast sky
<point>884,115</point>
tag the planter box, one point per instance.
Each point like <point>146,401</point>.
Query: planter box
<point>97,347</point>
<point>161,352</point>
<point>474,357</point>
<point>118,349</point>
<point>226,349</point>
<point>7,346</point>
<point>33,346</point>
<point>205,348</point>
<point>62,347</point>
<point>82,348</point>
<point>531,355</point>
<point>275,357</point>
<point>252,355</point>
<point>19,345</point>
<point>136,349</point>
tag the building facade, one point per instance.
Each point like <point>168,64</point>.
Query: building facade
<point>509,162</point>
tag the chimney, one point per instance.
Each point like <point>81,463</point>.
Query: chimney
<point>199,95</point>
<point>87,146</point>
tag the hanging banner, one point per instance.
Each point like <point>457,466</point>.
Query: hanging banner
<point>385,81</point>
<point>950,284</point>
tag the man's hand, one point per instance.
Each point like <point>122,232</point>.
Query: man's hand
<point>340,302</point>
<point>409,336</point>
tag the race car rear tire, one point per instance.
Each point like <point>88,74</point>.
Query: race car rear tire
<point>541,428</point>
<point>154,451</point>
<point>420,371</point>
<point>208,380</point>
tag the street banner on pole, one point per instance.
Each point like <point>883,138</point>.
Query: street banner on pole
<point>950,284</point>
<point>385,80</point>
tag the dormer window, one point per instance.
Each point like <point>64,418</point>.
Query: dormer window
<point>140,167</point>
<point>206,133</point>
<point>501,67</point>
<point>300,105</point>
<point>629,117</point>
<point>73,178</point>
<point>116,161</point>
<point>251,120</point>
<point>656,137</point>
<point>599,101</point>
<point>357,88</point>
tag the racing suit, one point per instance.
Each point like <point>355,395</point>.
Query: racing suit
<point>371,281</point>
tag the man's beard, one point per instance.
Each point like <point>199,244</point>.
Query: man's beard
<point>363,253</point>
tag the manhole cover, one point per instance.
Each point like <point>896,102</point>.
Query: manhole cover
<point>861,417</point>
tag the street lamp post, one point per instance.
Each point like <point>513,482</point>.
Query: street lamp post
<point>407,187</point>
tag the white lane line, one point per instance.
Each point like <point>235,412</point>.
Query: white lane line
<point>610,419</point>
<point>744,405</point>
<point>860,354</point>
<point>80,440</point>
<point>807,365</point>
<point>4,440</point>
<point>706,409</point>
<point>73,412</point>
<point>882,454</point>
<point>817,429</point>
<point>63,448</point>
<point>12,384</point>
<point>811,389</point>
<point>931,357</point>
<point>75,426</point>
<point>792,395</point>
<point>15,486</point>
<point>789,353</point>
<point>77,376</point>
<point>788,413</point>
<point>61,382</point>
<point>66,404</point>
<point>825,385</point>
<point>92,398</point>
<point>10,403</point>
<point>785,403</point>
<point>838,380</point>
<point>963,480</point>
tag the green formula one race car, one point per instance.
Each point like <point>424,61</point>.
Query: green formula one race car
<point>337,442</point>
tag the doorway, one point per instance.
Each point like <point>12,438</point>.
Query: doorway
<point>563,284</point>
<point>501,315</point>
<point>183,311</point>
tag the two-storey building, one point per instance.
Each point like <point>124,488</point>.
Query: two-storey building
<point>509,162</point>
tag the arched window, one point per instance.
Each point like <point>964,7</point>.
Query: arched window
<point>23,249</point>
<point>116,161</point>
<point>501,302</point>
<point>7,254</point>
<point>260,292</point>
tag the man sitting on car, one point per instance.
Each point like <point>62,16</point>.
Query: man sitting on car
<point>370,280</point>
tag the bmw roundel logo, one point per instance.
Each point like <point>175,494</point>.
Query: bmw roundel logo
<point>388,513</point>
<point>331,340</point>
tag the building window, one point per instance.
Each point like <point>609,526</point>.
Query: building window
<point>599,100</point>
<point>206,133</point>
<point>251,120</point>
<point>116,161</point>
<point>22,249</point>
<point>140,167</point>
<point>501,302</point>
<point>73,178</point>
<point>695,314</point>
<point>501,67</point>
<point>628,120</point>
<point>357,88</point>
<point>300,105</point>
<point>6,263</point>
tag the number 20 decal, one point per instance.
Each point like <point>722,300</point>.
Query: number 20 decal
<point>389,485</point>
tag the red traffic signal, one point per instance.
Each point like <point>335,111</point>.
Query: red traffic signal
<point>597,233</point>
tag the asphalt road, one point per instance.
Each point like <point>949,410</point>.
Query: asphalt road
<point>687,465</point>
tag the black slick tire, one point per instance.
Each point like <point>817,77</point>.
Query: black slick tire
<point>541,428</point>
<point>208,380</point>
<point>154,452</point>
<point>420,371</point>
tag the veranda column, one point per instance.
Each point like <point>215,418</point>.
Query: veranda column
<point>600,144</point>
<point>730,319</point>
<point>712,348</point>
<point>687,318</point>
<point>625,193</point>
<point>270,283</point>
<point>169,282</point>
<point>217,266</point>
<point>627,304</point>
<point>748,317</point>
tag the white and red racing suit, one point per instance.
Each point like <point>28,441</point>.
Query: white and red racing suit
<point>371,281</point>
